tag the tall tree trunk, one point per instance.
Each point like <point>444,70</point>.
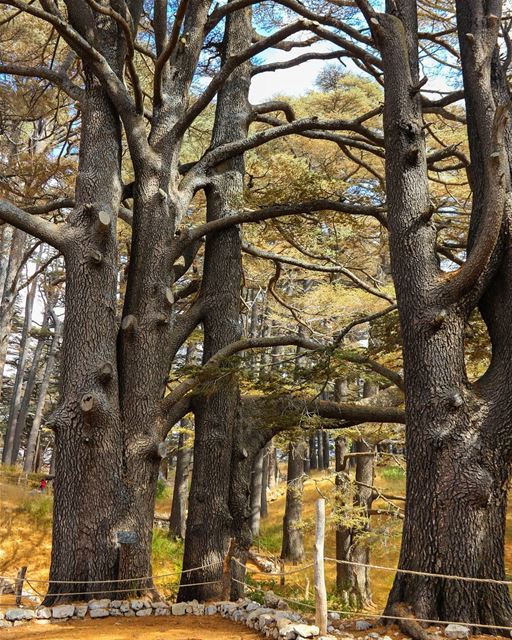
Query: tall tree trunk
<point>88,450</point>
<point>18,242</point>
<point>33,439</point>
<point>293,536</point>
<point>9,453</point>
<point>313,452</point>
<point>458,434</point>
<point>320,448</point>
<point>31,382</point>
<point>178,517</point>
<point>264,481</point>
<point>209,523</point>
<point>256,491</point>
<point>325,448</point>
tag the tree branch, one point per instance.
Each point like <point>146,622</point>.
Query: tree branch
<point>58,78</point>
<point>55,235</point>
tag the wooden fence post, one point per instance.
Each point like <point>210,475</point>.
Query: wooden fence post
<point>320,590</point>
<point>18,585</point>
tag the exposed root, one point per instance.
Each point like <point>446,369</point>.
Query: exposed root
<point>410,628</point>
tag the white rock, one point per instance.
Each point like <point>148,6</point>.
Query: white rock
<point>144,612</point>
<point>19,614</point>
<point>19,623</point>
<point>116,604</point>
<point>265,620</point>
<point>252,606</point>
<point>386,638</point>
<point>5,624</point>
<point>306,630</point>
<point>160,605</point>
<point>287,632</point>
<point>333,615</point>
<point>283,622</point>
<point>457,631</point>
<point>99,613</point>
<point>124,607</point>
<point>44,613</point>
<point>164,611</point>
<point>137,605</point>
<point>43,621</point>
<point>374,635</point>
<point>104,603</point>
<point>326,637</point>
<point>129,613</point>
<point>116,612</point>
<point>63,611</point>
<point>210,610</point>
<point>179,609</point>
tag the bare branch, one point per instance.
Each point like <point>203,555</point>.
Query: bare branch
<point>58,78</point>
<point>55,235</point>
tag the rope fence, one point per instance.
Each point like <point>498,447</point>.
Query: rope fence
<point>320,606</point>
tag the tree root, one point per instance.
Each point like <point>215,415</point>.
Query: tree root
<point>409,627</point>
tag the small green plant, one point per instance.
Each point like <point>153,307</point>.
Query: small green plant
<point>162,489</point>
<point>38,508</point>
<point>164,547</point>
<point>393,473</point>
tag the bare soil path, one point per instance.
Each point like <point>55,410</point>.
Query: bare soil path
<point>161,628</point>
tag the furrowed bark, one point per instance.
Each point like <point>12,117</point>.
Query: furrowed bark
<point>210,522</point>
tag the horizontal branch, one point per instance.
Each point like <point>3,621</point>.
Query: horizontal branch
<point>278,211</point>
<point>57,78</point>
<point>53,234</point>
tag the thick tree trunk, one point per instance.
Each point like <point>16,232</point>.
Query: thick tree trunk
<point>293,536</point>
<point>458,456</point>
<point>178,517</point>
<point>209,523</point>
<point>88,452</point>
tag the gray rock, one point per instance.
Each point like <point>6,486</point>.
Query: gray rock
<point>63,611</point>
<point>124,607</point>
<point>137,605</point>
<point>255,613</point>
<point>330,629</point>
<point>104,603</point>
<point>116,604</point>
<point>99,613</point>
<point>129,613</point>
<point>282,605</point>
<point>80,610</point>
<point>306,630</point>
<point>144,612</point>
<point>5,624</point>
<point>252,606</point>
<point>374,635</point>
<point>179,609</point>
<point>44,613</point>
<point>283,622</point>
<point>19,614</point>
<point>363,625</point>
<point>271,600</point>
<point>160,605</point>
<point>333,615</point>
<point>265,620</point>
<point>163,611</point>
<point>457,631</point>
<point>210,610</point>
<point>116,612</point>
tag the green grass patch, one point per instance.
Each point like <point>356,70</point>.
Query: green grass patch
<point>393,473</point>
<point>163,490</point>
<point>38,508</point>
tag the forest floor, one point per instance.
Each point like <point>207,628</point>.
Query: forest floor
<point>25,539</point>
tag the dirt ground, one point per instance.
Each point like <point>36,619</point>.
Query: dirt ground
<point>161,628</point>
